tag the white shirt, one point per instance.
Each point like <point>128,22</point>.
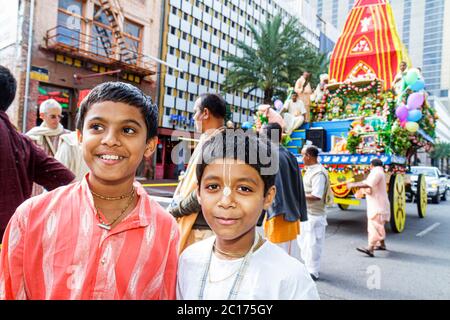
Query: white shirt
<point>318,182</point>
<point>271,275</point>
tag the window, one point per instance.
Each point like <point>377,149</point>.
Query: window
<point>202,81</point>
<point>185,16</point>
<point>102,40</point>
<point>194,59</point>
<point>184,35</point>
<point>170,71</point>
<point>215,32</point>
<point>203,63</point>
<point>70,22</point>
<point>214,49</point>
<point>216,14</point>
<point>183,55</point>
<point>172,50</point>
<point>194,40</point>
<point>169,91</point>
<point>222,70</point>
<point>196,22</point>
<point>132,33</point>
<point>173,30</point>
<point>174,10</point>
<point>191,97</point>
<point>205,45</point>
<point>192,78</point>
<point>206,9</point>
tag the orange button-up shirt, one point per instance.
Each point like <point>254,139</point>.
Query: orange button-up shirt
<point>53,249</point>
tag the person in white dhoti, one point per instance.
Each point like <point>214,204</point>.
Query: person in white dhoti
<point>398,80</point>
<point>320,89</point>
<point>294,115</point>
<point>316,183</point>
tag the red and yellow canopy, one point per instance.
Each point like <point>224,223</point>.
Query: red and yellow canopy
<point>369,44</point>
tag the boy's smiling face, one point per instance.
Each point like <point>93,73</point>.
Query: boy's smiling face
<point>234,216</point>
<point>114,141</point>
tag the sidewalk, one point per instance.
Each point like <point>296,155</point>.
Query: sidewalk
<point>159,191</point>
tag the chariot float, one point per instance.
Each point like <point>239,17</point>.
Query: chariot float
<point>360,116</point>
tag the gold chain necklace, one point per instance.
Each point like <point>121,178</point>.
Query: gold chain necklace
<point>113,198</point>
<point>107,226</point>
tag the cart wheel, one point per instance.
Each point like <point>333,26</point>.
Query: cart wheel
<point>397,199</point>
<point>421,196</point>
<point>343,206</point>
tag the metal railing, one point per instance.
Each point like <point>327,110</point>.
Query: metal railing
<point>99,48</point>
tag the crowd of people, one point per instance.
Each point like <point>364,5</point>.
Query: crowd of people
<point>234,221</point>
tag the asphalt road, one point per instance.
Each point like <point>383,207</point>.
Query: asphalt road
<point>416,265</point>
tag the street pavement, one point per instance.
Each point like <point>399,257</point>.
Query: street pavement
<point>415,266</point>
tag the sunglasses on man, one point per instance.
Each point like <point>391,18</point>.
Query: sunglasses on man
<point>54,116</point>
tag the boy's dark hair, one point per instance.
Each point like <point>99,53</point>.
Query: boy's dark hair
<point>8,86</point>
<point>214,103</point>
<point>240,145</point>
<point>269,130</point>
<point>376,162</point>
<point>312,151</point>
<point>125,93</point>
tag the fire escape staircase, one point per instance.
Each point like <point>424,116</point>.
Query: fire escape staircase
<point>114,14</point>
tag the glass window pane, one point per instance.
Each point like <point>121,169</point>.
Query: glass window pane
<point>101,41</point>
<point>67,33</point>
<point>132,29</point>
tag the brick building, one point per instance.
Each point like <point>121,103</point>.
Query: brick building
<point>75,45</point>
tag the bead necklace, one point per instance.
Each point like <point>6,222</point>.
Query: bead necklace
<point>240,275</point>
<point>127,195</point>
<point>107,226</point>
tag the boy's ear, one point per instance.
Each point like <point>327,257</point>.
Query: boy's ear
<point>197,193</point>
<point>268,199</point>
<point>79,136</point>
<point>150,147</point>
<point>206,113</point>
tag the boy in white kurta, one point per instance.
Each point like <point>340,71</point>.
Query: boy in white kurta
<point>236,263</point>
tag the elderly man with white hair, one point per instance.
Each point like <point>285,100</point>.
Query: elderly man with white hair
<point>47,135</point>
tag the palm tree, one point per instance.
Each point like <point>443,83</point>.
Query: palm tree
<point>275,62</point>
<point>441,154</point>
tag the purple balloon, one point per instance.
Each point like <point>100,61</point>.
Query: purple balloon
<point>402,113</point>
<point>278,104</point>
<point>415,100</point>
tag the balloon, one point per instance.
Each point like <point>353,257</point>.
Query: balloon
<point>412,76</point>
<point>246,125</point>
<point>418,85</point>
<point>402,124</point>
<point>412,126</point>
<point>414,115</point>
<point>402,113</point>
<point>415,100</point>
<point>278,104</point>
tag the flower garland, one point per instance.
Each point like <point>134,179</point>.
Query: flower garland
<point>350,100</point>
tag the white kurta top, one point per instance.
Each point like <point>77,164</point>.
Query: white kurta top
<point>271,274</point>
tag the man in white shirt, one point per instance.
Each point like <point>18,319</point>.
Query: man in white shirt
<point>295,113</point>
<point>398,83</point>
<point>312,236</point>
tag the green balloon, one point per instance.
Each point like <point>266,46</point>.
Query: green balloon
<point>412,76</point>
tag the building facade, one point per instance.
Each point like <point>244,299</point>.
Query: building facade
<point>75,45</point>
<point>197,35</point>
